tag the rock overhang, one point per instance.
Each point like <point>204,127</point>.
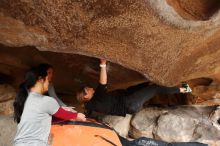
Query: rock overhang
<point>147,36</point>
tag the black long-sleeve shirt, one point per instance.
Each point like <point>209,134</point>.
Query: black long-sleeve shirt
<point>112,103</point>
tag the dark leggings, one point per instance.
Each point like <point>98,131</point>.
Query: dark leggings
<point>137,95</point>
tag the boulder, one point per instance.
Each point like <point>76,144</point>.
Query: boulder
<point>120,124</point>
<point>177,124</point>
<point>7,95</point>
<point>6,108</point>
<point>167,41</point>
<point>175,128</point>
<point>145,121</point>
<point>7,92</point>
<point>8,130</point>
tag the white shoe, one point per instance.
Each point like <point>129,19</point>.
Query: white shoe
<point>187,88</point>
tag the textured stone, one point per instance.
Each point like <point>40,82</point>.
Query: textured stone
<point>177,124</point>
<point>195,10</point>
<point>15,33</point>
<point>208,94</point>
<point>120,124</point>
<point>147,36</point>
<point>7,95</point>
<point>6,108</point>
<point>175,128</point>
<point>8,130</point>
<point>7,92</point>
<point>144,122</point>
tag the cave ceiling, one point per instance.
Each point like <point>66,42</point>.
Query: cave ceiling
<point>166,41</point>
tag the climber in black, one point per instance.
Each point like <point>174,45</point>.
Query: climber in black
<point>120,102</point>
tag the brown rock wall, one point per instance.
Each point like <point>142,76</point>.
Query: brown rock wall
<point>147,36</point>
<point>135,34</point>
<point>196,9</point>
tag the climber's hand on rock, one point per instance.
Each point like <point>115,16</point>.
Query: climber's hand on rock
<point>103,61</point>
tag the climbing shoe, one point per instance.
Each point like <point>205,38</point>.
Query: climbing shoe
<point>187,88</point>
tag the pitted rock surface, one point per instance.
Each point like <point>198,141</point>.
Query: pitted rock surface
<point>148,36</point>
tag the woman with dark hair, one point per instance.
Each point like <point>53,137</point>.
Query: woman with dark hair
<point>51,91</point>
<point>33,111</point>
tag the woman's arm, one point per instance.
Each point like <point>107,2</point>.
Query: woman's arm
<point>50,105</point>
<point>103,72</point>
<point>68,115</point>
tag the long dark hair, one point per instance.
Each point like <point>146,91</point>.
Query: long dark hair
<point>31,77</point>
<point>44,66</point>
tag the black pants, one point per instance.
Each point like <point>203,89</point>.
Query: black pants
<point>137,95</point>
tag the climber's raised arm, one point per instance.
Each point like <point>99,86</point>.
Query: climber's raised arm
<point>103,72</point>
